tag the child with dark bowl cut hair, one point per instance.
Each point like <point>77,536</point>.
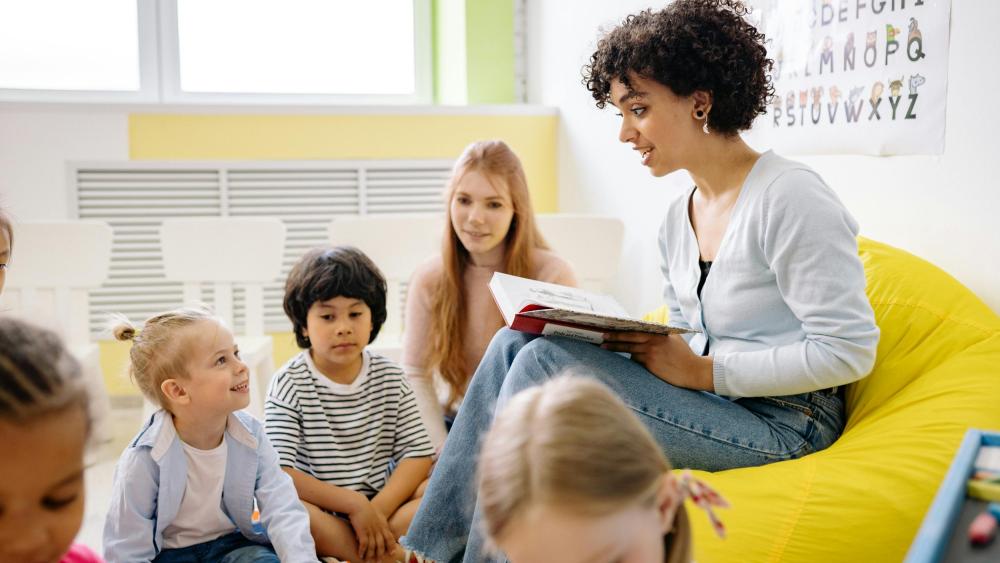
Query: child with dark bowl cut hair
<point>344,420</point>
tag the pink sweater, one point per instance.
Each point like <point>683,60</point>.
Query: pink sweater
<point>483,320</point>
<point>79,553</point>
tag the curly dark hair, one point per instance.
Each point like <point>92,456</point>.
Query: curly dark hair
<point>326,273</point>
<point>690,45</point>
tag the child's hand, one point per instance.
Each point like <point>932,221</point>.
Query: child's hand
<point>375,539</point>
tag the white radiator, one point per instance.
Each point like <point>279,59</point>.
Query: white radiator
<point>134,197</point>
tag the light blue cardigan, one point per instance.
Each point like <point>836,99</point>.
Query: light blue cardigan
<point>150,480</point>
<point>784,306</point>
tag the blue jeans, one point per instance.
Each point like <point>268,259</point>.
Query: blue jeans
<point>696,429</point>
<point>231,548</point>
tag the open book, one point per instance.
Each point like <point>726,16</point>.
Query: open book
<point>547,308</point>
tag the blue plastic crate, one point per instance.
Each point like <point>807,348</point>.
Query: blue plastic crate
<point>937,529</point>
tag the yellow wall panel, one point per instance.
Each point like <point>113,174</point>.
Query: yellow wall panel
<point>290,137</point>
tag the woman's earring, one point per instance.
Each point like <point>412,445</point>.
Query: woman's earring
<point>700,114</point>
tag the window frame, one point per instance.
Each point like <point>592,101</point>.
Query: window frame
<point>159,72</point>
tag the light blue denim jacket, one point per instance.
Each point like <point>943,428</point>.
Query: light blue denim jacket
<point>150,480</point>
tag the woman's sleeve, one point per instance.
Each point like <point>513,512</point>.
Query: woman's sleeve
<point>415,360</point>
<point>809,242</point>
<point>669,295</point>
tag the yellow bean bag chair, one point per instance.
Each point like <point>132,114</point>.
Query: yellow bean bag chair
<point>937,373</point>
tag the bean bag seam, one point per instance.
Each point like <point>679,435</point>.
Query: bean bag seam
<point>944,317</point>
<point>778,551</point>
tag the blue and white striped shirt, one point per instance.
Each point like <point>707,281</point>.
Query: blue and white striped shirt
<point>345,435</point>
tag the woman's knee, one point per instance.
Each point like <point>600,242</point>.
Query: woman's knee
<point>508,340</point>
<point>537,361</point>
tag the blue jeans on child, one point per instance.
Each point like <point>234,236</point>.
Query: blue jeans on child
<point>696,429</point>
<point>230,548</point>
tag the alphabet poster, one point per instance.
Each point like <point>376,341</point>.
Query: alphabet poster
<point>856,76</point>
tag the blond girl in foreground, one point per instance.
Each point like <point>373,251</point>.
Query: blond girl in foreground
<point>568,473</point>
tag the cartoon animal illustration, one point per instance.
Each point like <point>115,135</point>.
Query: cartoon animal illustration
<point>870,38</point>
<point>849,44</point>
<point>891,33</point>
<point>877,90</point>
<point>790,101</point>
<point>834,95</point>
<point>817,93</point>
<point>776,102</point>
<point>895,86</point>
<point>803,97</point>
<point>855,92</point>
<point>827,44</point>
<point>916,81</point>
<point>914,31</point>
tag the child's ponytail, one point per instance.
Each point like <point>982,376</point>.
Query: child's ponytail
<point>122,328</point>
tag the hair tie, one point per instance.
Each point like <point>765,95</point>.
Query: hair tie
<point>704,497</point>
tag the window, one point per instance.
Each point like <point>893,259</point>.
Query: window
<point>52,50</point>
<point>222,51</point>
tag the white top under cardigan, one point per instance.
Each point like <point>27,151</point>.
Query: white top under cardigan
<point>200,518</point>
<point>784,306</point>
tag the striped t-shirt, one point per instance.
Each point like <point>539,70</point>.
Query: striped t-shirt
<point>346,435</point>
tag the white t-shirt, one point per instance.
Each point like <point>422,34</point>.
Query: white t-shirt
<point>200,518</point>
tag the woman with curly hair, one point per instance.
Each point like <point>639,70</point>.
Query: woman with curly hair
<point>759,256</point>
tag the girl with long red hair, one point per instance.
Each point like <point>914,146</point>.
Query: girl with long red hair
<point>450,314</point>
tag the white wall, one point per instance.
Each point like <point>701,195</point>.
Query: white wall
<point>35,146</point>
<point>944,208</point>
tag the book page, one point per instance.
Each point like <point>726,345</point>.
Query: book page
<point>604,322</point>
<point>520,292</point>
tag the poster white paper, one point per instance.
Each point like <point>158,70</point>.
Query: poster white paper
<point>856,76</point>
